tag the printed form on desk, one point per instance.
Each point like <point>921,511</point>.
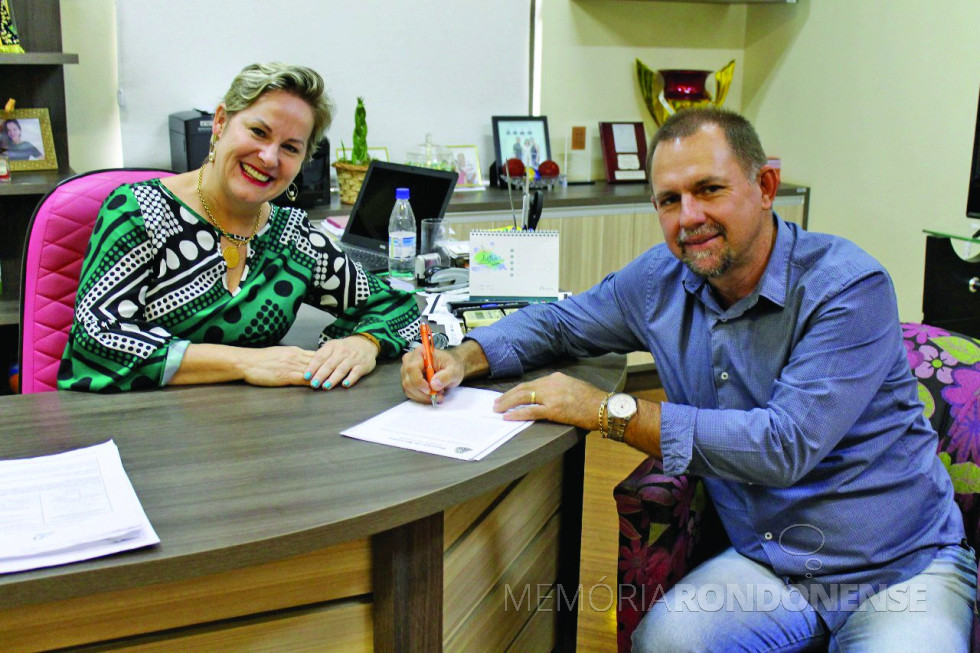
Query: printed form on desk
<point>68,507</point>
<point>463,426</point>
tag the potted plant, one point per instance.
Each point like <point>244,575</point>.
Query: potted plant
<point>351,170</point>
<point>9,40</point>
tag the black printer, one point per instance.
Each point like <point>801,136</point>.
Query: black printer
<point>190,139</point>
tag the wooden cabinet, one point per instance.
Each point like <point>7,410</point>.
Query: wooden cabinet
<point>36,80</point>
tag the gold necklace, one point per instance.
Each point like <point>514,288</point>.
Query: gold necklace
<point>230,253</point>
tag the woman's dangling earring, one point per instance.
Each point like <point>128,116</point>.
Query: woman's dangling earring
<point>214,141</point>
<point>292,192</point>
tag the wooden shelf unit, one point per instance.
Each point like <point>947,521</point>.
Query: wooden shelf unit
<point>36,80</point>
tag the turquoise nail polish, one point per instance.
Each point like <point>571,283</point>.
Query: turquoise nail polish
<point>326,386</point>
<point>316,383</point>
<point>346,384</point>
<point>308,376</point>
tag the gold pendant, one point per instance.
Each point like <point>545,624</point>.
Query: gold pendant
<point>231,256</point>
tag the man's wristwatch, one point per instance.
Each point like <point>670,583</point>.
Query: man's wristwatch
<point>618,408</point>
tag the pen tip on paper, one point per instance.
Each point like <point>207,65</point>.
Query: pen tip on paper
<point>434,401</point>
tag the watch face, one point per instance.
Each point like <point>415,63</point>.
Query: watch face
<point>621,405</point>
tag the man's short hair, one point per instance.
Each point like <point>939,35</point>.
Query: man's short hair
<point>739,132</point>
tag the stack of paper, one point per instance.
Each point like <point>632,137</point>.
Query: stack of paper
<point>68,507</point>
<point>463,426</point>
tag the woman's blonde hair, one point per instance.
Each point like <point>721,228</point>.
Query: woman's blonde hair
<point>305,83</point>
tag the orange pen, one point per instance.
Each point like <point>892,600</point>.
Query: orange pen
<point>428,359</point>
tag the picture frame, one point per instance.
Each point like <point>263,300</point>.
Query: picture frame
<point>522,137</point>
<point>26,135</point>
<point>624,151</point>
<point>379,153</point>
<point>466,159</point>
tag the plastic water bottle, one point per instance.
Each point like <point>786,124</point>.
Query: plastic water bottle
<point>401,237</point>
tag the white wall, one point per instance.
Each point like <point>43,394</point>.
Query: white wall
<point>88,29</point>
<point>423,67</point>
<point>873,104</point>
<point>588,53</point>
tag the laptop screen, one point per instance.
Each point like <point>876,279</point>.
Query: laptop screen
<point>430,192</point>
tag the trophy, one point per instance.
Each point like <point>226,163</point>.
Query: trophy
<point>9,41</point>
<point>667,91</point>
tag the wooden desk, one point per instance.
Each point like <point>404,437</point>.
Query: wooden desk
<point>275,528</point>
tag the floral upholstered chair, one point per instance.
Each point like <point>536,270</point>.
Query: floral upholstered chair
<point>667,525</point>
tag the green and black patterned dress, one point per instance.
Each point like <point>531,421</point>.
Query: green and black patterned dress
<point>153,281</point>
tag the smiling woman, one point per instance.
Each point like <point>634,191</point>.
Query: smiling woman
<point>194,278</point>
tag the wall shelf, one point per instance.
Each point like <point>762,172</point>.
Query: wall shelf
<point>34,182</point>
<point>9,311</point>
<point>38,59</point>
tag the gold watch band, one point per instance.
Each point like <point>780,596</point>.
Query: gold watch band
<point>603,419</point>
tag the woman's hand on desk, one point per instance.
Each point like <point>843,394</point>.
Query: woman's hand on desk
<point>342,361</point>
<point>276,366</point>
<point>269,366</point>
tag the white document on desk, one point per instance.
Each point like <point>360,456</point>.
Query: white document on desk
<point>463,426</point>
<point>68,507</point>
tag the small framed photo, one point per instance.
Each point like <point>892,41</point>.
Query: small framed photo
<point>521,137</point>
<point>624,151</point>
<point>27,137</point>
<point>379,153</point>
<point>466,160</point>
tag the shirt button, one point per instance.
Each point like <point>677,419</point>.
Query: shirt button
<point>768,536</point>
<point>724,376</point>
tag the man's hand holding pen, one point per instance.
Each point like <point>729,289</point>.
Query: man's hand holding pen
<point>556,397</point>
<point>428,363</point>
<point>447,372</point>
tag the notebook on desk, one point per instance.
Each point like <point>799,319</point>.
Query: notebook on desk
<point>365,238</point>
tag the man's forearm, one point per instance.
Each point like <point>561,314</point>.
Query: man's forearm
<point>471,358</point>
<point>643,432</point>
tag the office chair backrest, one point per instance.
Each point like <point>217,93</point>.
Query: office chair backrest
<point>55,245</point>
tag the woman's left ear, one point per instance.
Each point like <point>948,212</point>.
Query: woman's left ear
<point>220,118</point>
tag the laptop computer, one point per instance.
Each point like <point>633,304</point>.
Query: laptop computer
<point>365,238</point>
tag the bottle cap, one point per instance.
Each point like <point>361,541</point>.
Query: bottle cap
<point>401,193</point>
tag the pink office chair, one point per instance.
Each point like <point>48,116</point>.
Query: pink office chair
<point>57,237</point>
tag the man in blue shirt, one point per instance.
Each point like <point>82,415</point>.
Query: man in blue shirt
<point>780,351</point>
